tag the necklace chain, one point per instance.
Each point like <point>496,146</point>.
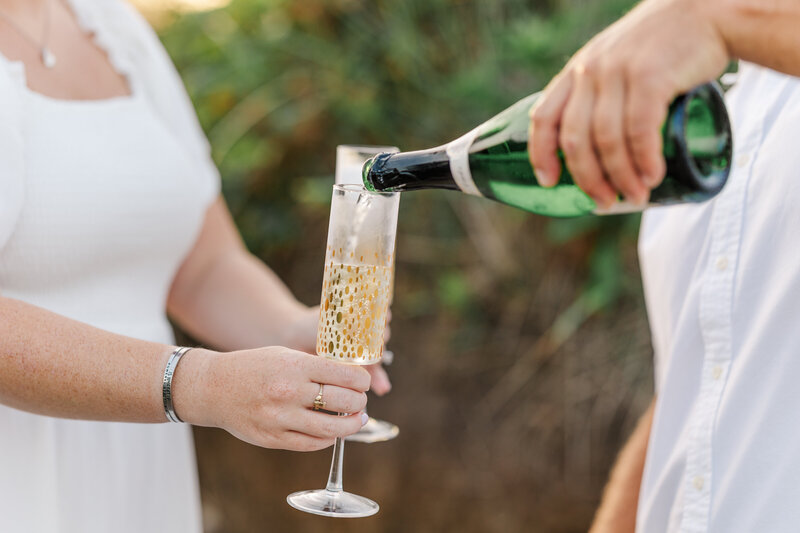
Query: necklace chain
<point>46,56</point>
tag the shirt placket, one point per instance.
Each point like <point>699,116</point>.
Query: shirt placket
<point>716,310</point>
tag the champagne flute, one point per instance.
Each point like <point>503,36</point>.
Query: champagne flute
<point>354,304</point>
<point>350,160</point>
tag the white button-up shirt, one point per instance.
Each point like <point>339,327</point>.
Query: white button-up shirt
<point>722,282</point>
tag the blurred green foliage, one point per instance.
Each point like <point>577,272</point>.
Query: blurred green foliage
<point>537,322</point>
<point>279,83</point>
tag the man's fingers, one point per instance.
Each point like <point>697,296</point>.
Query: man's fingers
<point>608,133</point>
<point>645,113</point>
<point>543,135</point>
<point>575,139</point>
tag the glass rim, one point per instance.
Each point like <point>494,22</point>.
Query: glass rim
<point>368,147</point>
<point>351,187</point>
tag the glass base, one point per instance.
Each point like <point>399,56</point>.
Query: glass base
<point>374,431</point>
<point>330,503</point>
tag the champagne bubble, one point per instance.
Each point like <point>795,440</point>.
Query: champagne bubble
<point>352,331</point>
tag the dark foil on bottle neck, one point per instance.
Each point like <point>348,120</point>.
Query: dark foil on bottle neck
<point>407,171</point>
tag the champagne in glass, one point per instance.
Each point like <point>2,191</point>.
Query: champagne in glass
<point>353,308</point>
<point>355,297</point>
<point>350,160</point>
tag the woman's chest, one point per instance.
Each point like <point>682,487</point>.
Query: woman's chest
<point>107,186</point>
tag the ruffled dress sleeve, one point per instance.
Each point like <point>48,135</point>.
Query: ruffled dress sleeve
<point>134,49</point>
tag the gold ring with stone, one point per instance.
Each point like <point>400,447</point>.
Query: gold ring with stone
<point>319,403</point>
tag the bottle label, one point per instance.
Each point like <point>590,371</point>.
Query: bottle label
<point>458,152</point>
<point>621,208</point>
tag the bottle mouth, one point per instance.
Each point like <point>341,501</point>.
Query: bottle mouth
<point>700,131</point>
<point>365,171</point>
<point>372,173</point>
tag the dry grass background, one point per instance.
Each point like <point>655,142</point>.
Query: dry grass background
<point>509,429</point>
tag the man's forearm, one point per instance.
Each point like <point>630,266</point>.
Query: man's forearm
<point>617,511</point>
<point>760,31</point>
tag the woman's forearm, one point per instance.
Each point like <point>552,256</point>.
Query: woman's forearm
<point>240,303</point>
<point>55,366</point>
<point>225,297</point>
<point>617,511</point>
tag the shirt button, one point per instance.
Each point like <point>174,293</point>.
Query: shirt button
<point>743,160</point>
<point>722,263</point>
<point>716,371</point>
<point>698,482</point>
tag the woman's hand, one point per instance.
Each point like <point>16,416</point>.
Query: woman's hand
<point>605,109</point>
<point>266,396</point>
<point>301,330</point>
<point>380,383</point>
<point>301,335</point>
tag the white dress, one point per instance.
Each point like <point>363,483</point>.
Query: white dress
<point>100,202</point>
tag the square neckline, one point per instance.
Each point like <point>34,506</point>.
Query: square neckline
<point>100,40</point>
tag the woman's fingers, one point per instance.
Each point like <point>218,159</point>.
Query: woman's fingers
<point>337,399</point>
<point>380,379</point>
<point>324,425</point>
<point>275,388</point>
<point>323,370</point>
<point>302,442</point>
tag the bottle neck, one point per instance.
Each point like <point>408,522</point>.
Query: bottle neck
<point>408,171</point>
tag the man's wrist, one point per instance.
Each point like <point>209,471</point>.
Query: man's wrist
<point>724,17</point>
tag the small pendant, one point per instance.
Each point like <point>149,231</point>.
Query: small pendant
<point>48,58</point>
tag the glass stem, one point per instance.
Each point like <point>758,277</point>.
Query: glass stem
<point>337,463</point>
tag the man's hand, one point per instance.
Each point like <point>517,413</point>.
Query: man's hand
<point>605,109</point>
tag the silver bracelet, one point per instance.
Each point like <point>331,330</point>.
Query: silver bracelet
<point>166,387</point>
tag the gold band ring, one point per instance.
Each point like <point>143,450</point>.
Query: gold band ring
<point>319,403</point>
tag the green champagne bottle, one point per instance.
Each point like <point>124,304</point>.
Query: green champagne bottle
<point>492,161</point>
